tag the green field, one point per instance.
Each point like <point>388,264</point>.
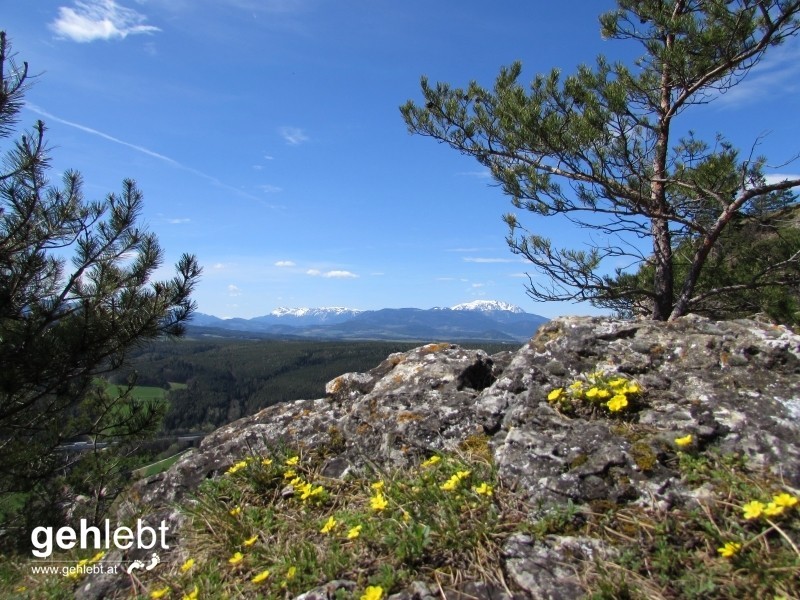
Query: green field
<point>145,392</point>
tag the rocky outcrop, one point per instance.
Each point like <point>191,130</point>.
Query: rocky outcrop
<point>732,386</point>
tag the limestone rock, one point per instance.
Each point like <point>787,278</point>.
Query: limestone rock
<point>734,386</point>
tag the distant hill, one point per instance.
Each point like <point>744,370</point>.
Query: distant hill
<point>482,320</point>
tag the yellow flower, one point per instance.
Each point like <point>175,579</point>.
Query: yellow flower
<point>329,525</point>
<point>463,474</point>
<point>753,509</point>
<point>603,394</point>
<point>617,403</point>
<point>354,532</point>
<point>160,593</point>
<point>309,490</point>
<point>377,486</point>
<point>684,441</point>
<point>187,565</point>
<point>290,462</point>
<point>238,466</point>
<point>192,595</point>
<point>290,573</point>
<point>592,393</point>
<point>251,541</point>
<point>236,558</point>
<point>576,387</point>
<point>431,461</point>
<point>266,462</point>
<point>406,516</point>
<point>450,484</point>
<point>785,500</point>
<point>633,388</point>
<point>619,382</point>
<point>296,481</point>
<point>729,549</point>
<point>773,510</point>
<point>235,511</point>
<point>555,394</point>
<point>96,557</point>
<point>260,577</point>
<point>484,489</point>
<point>373,592</point>
<point>378,502</point>
<point>289,474</point>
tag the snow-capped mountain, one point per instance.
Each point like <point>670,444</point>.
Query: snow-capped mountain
<point>479,320</point>
<point>488,306</point>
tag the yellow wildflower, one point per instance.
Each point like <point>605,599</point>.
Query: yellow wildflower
<point>373,592</point>
<point>603,394</point>
<point>290,462</point>
<point>450,484</point>
<point>463,474</point>
<point>235,511</point>
<point>260,577</point>
<point>773,510</point>
<point>592,393</point>
<point>378,502</point>
<point>354,532</point>
<point>633,388</point>
<point>619,382</point>
<point>236,558</point>
<point>193,595</point>
<point>238,466</point>
<point>576,387</point>
<point>250,541</point>
<point>289,474</point>
<point>290,573</point>
<point>309,490</point>
<point>617,403</point>
<point>329,525</point>
<point>431,461</point>
<point>266,462</point>
<point>187,565</point>
<point>377,486</point>
<point>753,509</point>
<point>406,516</point>
<point>729,549</point>
<point>296,481</point>
<point>684,441</point>
<point>97,557</point>
<point>484,489</point>
<point>160,593</point>
<point>555,394</point>
<point>785,500</point>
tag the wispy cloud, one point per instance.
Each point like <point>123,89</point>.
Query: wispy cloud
<point>777,74</point>
<point>234,291</point>
<point>778,177</point>
<point>170,161</point>
<point>294,136</point>
<point>332,274</point>
<point>473,259</point>
<point>285,263</point>
<point>178,221</point>
<point>92,20</point>
<point>270,189</point>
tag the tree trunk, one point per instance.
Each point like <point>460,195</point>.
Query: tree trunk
<point>662,278</point>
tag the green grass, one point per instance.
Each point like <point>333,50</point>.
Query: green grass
<point>157,467</point>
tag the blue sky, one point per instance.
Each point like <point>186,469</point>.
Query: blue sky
<point>266,136</point>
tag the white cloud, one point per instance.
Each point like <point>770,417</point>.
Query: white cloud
<point>778,177</point>
<point>234,291</point>
<point>294,136</point>
<point>92,20</point>
<point>490,260</point>
<point>285,263</point>
<point>178,221</point>
<point>332,274</point>
<point>270,189</point>
<point>776,75</point>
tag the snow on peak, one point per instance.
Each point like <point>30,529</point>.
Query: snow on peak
<point>283,311</point>
<point>488,306</point>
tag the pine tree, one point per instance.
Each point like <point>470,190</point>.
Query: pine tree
<point>600,147</point>
<point>64,322</point>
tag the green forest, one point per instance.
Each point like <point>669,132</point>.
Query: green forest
<point>208,382</point>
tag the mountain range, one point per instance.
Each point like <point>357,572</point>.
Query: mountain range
<point>480,320</point>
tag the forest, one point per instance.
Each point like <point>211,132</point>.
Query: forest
<point>223,379</point>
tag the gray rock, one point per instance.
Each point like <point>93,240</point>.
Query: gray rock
<point>732,385</point>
